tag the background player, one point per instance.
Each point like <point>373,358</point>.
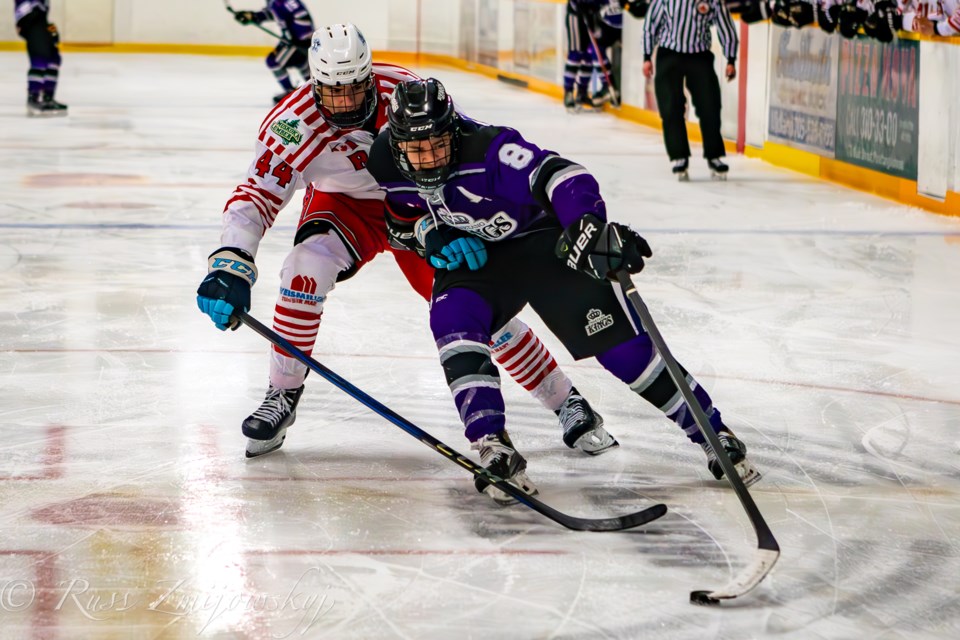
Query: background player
<point>319,136</point>
<point>290,53</point>
<point>43,48</point>
<point>448,178</point>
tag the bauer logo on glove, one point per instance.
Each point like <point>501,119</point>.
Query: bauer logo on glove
<point>601,249</point>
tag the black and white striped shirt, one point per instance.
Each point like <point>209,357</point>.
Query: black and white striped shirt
<point>684,26</point>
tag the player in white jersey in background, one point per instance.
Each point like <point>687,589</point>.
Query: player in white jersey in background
<point>931,17</point>
<point>318,137</point>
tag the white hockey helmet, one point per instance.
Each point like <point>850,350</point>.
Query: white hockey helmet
<point>341,69</point>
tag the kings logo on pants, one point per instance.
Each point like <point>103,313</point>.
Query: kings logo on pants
<point>597,321</point>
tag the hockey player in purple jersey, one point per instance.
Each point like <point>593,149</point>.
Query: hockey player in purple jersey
<point>43,42</point>
<point>506,223</point>
<point>290,53</point>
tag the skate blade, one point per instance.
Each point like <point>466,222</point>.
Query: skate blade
<point>257,448</point>
<point>719,177</point>
<point>592,445</point>
<point>521,481</point>
<point>683,176</point>
<point>748,473</point>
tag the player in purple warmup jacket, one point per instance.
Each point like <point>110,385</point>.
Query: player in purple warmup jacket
<point>505,224</point>
<point>296,26</point>
<point>43,48</point>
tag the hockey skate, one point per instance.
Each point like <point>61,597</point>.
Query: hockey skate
<point>718,170</point>
<point>681,169</point>
<point>737,451</point>
<point>583,427</point>
<point>502,460</point>
<point>570,101</point>
<point>585,102</point>
<point>266,428</point>
<point>44,106</point>
<point>602,96</point>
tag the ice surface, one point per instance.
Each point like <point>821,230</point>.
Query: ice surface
<point>823,320</point>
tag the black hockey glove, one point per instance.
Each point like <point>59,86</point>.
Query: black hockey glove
<point>792,13</point>
<point>449,248</point>
<point>750,10</point>
<point>226,289</point>
<point>400,235</point>
<point>884,22</point>
<point>850,19</point>
<point>245,17</point>
<point>601,249</point>
<point>827,18</point>
<point>636,8</point>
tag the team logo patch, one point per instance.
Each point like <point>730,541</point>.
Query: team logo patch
<point>703,8</point>
<point>597,321</point>
<point>288,130</point>
<point>302,289</point>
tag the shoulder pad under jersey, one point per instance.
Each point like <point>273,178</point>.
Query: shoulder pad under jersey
<point>380,162</point>
<point>475,139</point>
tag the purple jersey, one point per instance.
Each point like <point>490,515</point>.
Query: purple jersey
<point>22,8</point>
<point>611,13</point>
<point>291,15</point>
<point>502,186</point>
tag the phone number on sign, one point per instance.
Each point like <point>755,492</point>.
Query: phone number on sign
<point>872,125</point>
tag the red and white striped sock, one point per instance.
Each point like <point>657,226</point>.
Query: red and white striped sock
<point>300,327</point>
<point>526,359</point>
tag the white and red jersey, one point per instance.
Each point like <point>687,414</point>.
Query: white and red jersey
<point>296,147</point>
<point>945,14</point>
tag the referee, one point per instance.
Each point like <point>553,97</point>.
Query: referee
<point>680,29</point>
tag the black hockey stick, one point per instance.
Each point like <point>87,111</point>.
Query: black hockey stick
<point>571,522</point>
<point>767,548</point>
<point>226,3</point>
<point>602,59</point>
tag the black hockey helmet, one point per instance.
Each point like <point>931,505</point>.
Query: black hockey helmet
<point>421,110</point>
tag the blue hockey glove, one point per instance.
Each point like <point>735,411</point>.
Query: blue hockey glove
<point>600,249</point>
<point>448,248</point>
<point>226,289</point>
<point>453,255</point>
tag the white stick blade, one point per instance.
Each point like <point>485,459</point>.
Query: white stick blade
<point>750,577</point>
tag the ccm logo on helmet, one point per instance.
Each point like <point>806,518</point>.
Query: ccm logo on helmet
<point>422,127</point>
<point>582,240</point>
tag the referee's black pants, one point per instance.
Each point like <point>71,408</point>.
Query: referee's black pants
<point>673,68</point>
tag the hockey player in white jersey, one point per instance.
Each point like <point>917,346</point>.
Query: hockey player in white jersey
<point>931,17</point>
<point>318,137</point>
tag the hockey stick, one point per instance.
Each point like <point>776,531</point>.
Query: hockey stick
<point>767,548</point>
<point>602,59</point>
<point>618,523</point>
<point>226,3</point>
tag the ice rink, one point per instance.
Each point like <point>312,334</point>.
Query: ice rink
<point>824,321</point>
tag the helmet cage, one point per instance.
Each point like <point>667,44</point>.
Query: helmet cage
<point>363,95</point>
